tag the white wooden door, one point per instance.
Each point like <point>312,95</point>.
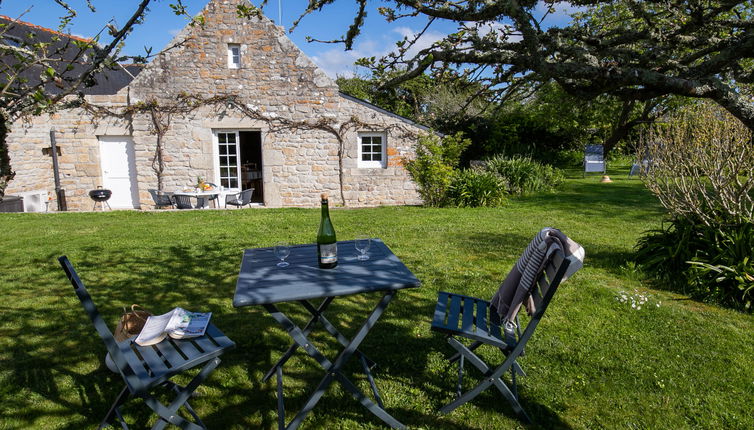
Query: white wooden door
<point>228,166</point>
<point>118,162</point>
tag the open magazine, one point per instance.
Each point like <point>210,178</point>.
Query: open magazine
<point>178,324</point>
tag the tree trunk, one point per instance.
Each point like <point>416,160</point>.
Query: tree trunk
<point>624,126</point>
<point>6,173</point>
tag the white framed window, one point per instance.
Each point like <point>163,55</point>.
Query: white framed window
<point>228,159</point>
<point>234,56</point>
<point>372,152</point>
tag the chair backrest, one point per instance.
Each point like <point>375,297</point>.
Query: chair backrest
<point>544,289</point>
<point>549,281</point>
<point>91,310</point>
<point>246,196</point>
<point>183,202</point>
<point>594,153</point>
<point>160,199</point>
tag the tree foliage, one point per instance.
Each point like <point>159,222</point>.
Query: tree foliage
<point>631,49</point>
<point>35,76</point>
<point>441,102</point>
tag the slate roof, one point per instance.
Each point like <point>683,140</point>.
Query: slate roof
<point>383,111</point>
<point>108,81</point>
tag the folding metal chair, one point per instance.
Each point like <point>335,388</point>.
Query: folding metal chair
<point>185,202</point>
<point>476,319</point>
<point>594,159</point>
<point>161,200</point>
<point>240,199</point>
<point>146,368</point>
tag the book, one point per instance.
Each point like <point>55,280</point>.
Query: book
<point>178,324</point>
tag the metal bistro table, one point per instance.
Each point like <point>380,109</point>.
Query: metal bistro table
<point>261,282</point>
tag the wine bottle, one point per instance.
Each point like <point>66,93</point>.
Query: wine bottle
<point>327,245</point>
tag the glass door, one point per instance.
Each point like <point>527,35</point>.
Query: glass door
<point>228,151</point>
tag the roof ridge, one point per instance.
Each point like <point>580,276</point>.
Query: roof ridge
<point>49,30</point>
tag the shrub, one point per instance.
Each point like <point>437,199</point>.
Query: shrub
<point>524,175</point>
<point>702,165</point>
<point>435,164</point>
<point>708,263</point>
<point>702,171</point>
<point>475,188</point>
<point>663,253</point>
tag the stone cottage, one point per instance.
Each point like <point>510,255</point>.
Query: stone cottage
<point>234,102</point>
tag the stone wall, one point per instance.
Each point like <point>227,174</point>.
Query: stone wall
<point>79,161</point>
<point>297,109</point>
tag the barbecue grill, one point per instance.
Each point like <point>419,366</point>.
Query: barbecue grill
<point>101,196</point>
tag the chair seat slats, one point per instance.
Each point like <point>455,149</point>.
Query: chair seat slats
<point>138,373</point>
<point>481,316</point>
<point>188,348</point>
<point>467,323</point>
<point>205,344</point>
<point>494,331</point>
<point>455,310</point>
<point>153,361</point>
<point>440,310</point>
<point>473,310</point>
<point>174,358</point>
<point>218,336</point>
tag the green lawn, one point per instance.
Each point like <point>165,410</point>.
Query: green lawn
<point>594,362</point>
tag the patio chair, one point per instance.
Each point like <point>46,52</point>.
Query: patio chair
<point>594,160</point>
<point>641,167</point>
<point>532,282</point>
<point>146,369</point>
<point>241,199</point>
<point>162,200</point>
<point>214,199</point>
<point>184,202</point>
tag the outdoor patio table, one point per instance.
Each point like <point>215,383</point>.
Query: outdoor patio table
<point>261,282</point>
<point>200,195</point>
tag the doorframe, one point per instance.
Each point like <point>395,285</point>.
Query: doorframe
<point>131,160</point>
<point>216,153</point>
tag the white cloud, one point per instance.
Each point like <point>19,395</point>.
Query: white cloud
<point>425,41</point>
<point>338,62</point>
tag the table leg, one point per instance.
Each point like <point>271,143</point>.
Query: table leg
<point>307,329</point>
<point>318,316</point>
<point>333,369</point>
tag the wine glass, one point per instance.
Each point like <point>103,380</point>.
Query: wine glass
<point>362,244</point>
<point>282,251</point>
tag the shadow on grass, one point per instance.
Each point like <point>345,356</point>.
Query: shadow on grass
<point>609,258</point>
<point>621,200</point>
<point>59,357</point>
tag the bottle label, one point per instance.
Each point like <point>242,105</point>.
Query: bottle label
<point>328,253</point>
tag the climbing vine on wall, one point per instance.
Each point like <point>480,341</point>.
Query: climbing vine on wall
<point>161,115</point>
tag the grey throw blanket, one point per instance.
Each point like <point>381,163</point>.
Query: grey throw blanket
<point>516,288</point>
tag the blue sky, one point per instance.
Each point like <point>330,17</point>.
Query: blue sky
<point>160,25</point>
